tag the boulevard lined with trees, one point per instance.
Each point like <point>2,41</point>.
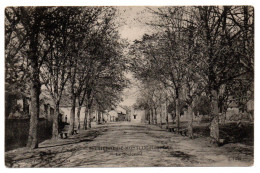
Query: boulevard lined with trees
<point>199,58</point>
<point>192,73</point>
<point>72,52</point>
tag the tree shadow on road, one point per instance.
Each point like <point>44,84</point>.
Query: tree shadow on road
<point>47,153</point>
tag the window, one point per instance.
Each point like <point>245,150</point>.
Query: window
<point>134,116</point>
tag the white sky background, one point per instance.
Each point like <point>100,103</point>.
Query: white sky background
<point>132,27</point>
<point>132,20</point>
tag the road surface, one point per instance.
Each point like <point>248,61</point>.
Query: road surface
<point>125,145</point>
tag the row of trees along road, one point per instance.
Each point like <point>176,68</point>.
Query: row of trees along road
<point>72,53</point>
<point>197,52</point>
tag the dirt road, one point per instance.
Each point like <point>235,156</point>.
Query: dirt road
<point>124,145</point>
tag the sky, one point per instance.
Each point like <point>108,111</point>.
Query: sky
<point>132,27</point>
<point>131,93</point>
<point>132,20</point>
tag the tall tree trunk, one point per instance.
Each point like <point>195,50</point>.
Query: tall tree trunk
<point>35,110</point>
<point>55,123</point>
<point>89,119</point>
<point>155,115</point>
<point>148,116</point>
<point>151,115</point>
<point>88,104</point>
<point>78,118</point>
<point>98,117</point>
<point>173,115</point>
<point>214,126</point>
<point>35,92</point>
<point>166,116</point>
<point>72,115</point>
<point>190,124</point>
<point>177,110</point>
<point>85,127</point>
<point>161,116</point>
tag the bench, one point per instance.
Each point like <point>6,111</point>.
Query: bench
<point>183,132</point>
<point>219,143</point>
<point>170,129</point>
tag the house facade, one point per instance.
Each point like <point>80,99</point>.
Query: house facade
<point>119,113</point>
<point>137,115</point>
<point>20,108</point>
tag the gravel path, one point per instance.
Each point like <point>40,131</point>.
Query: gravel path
<point>125,145</point>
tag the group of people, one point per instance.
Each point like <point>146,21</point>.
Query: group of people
<point>63,126</point>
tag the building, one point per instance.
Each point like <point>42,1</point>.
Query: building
<point>112,115</point>
<point>121,116</point>
<point>137,115</point>
<point>19,107</point>
<point>120,113</point>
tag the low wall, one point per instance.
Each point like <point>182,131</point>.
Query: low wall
<point>17,131</point>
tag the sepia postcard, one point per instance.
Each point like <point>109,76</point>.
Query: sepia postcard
<point>129,86</point>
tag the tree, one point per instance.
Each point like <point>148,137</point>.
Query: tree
<point>220,34</point>
<point>28,24</point>
<point>16,63</point>
<point>194,51</point>
<point>101,51</point>
<point>54,71</point>
<point>160,63</point>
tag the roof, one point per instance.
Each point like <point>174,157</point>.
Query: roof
<point>119,109</point>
